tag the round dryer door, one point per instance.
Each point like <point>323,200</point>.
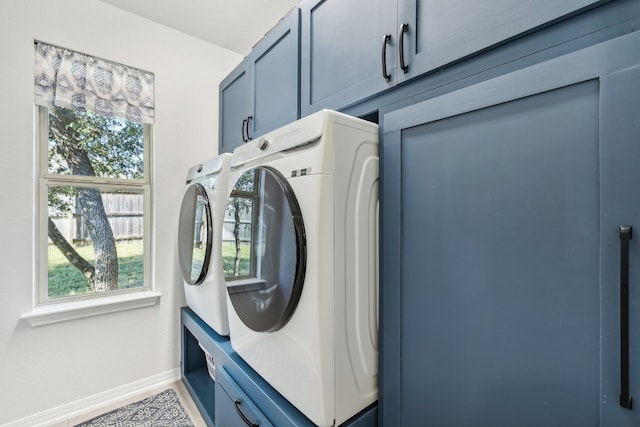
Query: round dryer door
<point>194,235</point>
<point>264,249</point>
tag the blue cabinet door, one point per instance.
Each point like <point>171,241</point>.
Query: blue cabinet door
<point>262,93</point>
<point>440,32</point>
<point>501,204</point>
<point>343,44</point>
<point>275,77</point>
<point>620,175</point>
<point>234,108</point>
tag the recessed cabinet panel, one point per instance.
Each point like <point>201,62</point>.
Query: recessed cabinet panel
<point>276,89</point>
<point>500,249</point>
<point>442,31</point>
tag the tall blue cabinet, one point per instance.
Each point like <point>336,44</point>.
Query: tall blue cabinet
<point>501,211</point>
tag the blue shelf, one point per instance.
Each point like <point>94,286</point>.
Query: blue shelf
<point>202,390</point>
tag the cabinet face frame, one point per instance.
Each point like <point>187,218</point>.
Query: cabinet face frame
<point>622,62</point>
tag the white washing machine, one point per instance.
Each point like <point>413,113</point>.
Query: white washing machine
<point>199,241</point>
<point>302,295</point>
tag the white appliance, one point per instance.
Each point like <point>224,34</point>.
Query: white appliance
<point>303,298</point>
<point>199,241</point>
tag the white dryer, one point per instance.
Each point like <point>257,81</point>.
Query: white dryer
<point>303,293</point>
<point>199,241</point>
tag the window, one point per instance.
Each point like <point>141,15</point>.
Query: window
<point>93,138</point>
<point>94,198</point>
<point>237,238</point>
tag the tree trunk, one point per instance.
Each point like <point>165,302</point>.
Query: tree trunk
<point>236,235</point>
<point>104,245</point>
<point>69,147</point>
<point>70,253</point>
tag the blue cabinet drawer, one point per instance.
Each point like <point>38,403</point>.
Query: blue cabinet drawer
<point>233,406</point>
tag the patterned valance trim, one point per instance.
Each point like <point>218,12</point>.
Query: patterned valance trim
<point>69,79</point>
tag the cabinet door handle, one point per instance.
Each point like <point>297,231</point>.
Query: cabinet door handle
<point>244,124</point>
<point>385,41</point>
<point>404,28</point>
<point>625,235</point>
<point>246,420</point>
<point>248,134</point>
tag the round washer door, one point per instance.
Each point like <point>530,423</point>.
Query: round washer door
<point>195,232</point>
<point>264,247</point>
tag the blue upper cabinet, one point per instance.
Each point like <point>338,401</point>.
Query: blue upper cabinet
<point>434,33</point>
<point>343,51</point>
<point>234,108</point>
<point>262,93</point>
<point>353,49</point>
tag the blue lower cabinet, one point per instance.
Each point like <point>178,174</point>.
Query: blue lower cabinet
<point>229,393</point>
<point>233,406</point>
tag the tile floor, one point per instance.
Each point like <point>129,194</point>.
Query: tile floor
<point>178,386</point>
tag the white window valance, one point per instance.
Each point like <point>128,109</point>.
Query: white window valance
<point>64,78</point>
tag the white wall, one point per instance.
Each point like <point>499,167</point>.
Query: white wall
<point>48,366</point>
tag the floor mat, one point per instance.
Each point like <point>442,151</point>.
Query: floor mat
<point>161,410</point>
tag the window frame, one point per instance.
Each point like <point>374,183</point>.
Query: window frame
<point>47,180</point>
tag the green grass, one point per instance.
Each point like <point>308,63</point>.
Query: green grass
<point>66,280</point>
<point>197,260</point>
<point>229,256</point>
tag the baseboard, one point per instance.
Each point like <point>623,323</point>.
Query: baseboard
<point>91,403</point>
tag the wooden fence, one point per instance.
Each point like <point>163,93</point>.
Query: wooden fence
<point>125,212</point>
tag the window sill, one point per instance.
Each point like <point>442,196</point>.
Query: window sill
<point>54,313</point>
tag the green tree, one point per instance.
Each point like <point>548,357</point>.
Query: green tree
<point>91,145</point>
